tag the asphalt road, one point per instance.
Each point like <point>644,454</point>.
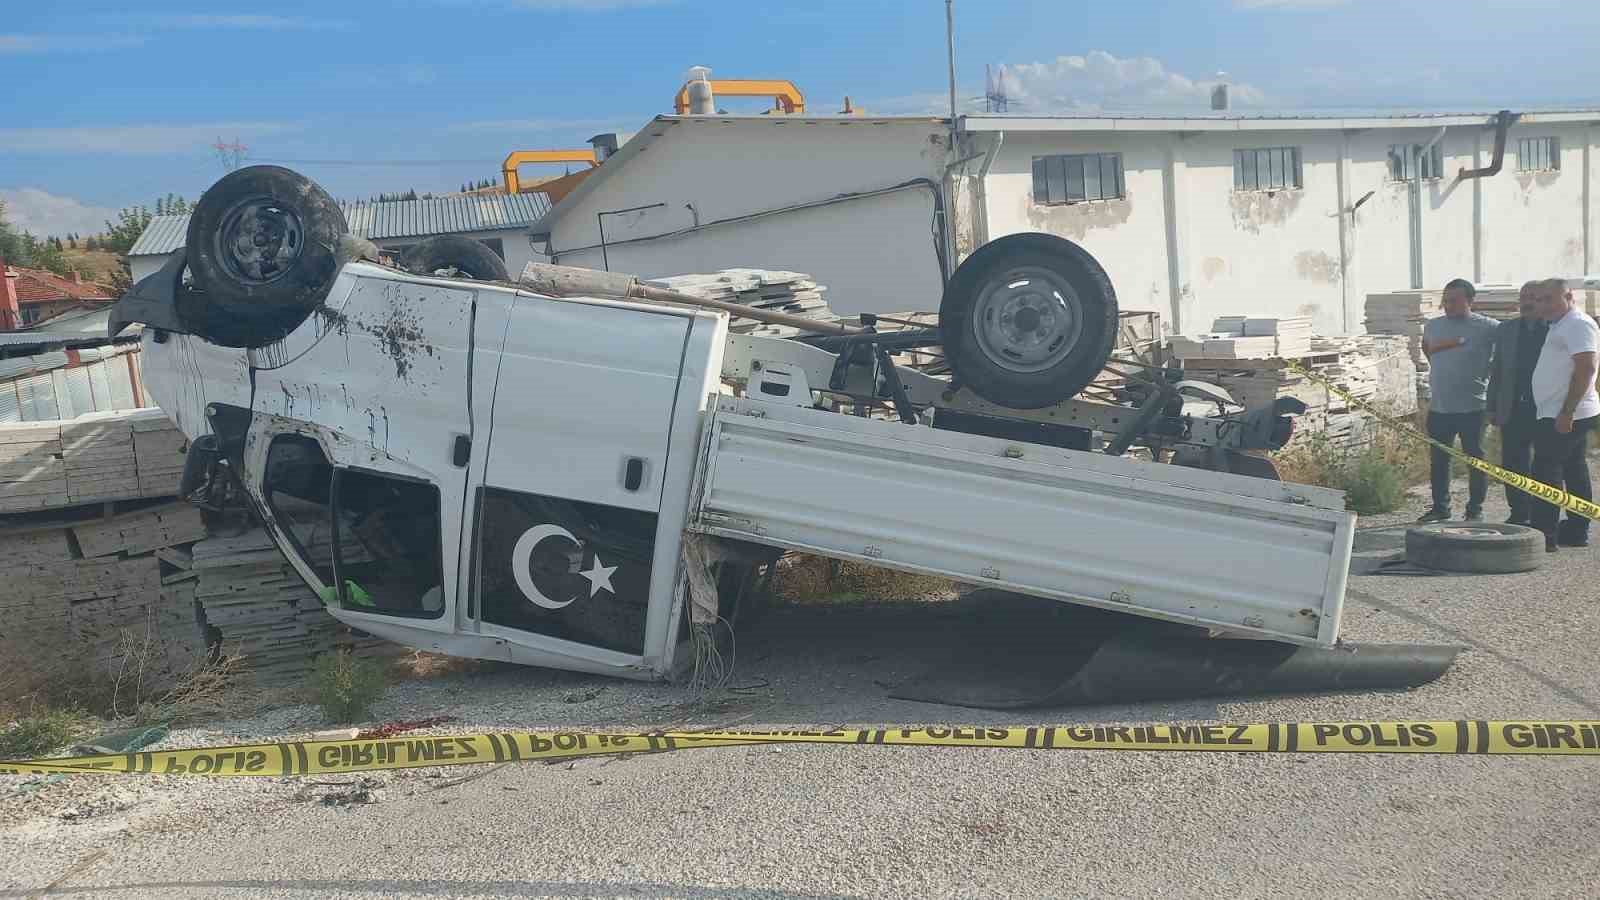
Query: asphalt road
<point>874,821</point>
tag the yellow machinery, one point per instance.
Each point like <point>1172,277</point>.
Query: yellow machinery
<point>785,95</point>
<point>520,158</point>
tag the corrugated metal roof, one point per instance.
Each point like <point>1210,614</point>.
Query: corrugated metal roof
<point>163,235</point>
<point>391,219</point>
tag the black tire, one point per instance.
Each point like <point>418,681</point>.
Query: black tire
<point>262,249</point>
<point>1252,464</point>
<point>1487,548</point>
<point>1027,363</point>
<point>452,251</point>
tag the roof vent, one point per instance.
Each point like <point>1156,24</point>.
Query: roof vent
<point>1219,93</point>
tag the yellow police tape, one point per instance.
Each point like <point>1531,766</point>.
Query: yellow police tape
<point>1510,738</point>
<point>1548,493</point>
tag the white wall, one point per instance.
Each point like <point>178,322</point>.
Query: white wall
<point>141,266</point>
<point>874,255</point>
<point>1270,252</point>
<point>1127,236</point>
<point>1280,253</point>
<point>1534,221</point>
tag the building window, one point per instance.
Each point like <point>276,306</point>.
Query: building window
<point>1403,162</point>
<point>1077,178</point>
<point>1266,169</point>
<point>1539,154</point>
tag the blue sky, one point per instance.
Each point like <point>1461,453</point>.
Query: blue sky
<point>105,105</point>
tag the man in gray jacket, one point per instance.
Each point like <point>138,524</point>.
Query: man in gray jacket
<point>1458,345</point>
<point>1511,408</point>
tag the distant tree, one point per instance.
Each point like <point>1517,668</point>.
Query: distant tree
<point>411,194</point>
<point>131,222</point>
<point>11,244</point>
<point>46,254</point>
<point>91,244</point>
<point>72,242</point>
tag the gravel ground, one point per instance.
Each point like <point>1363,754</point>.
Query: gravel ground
<point>834,821</point>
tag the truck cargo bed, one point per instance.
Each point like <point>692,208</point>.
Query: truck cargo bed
<point>1243,555</point>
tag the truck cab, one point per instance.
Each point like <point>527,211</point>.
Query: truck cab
<point>463,467</point>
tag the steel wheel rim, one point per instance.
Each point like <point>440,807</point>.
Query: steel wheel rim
<point>259,240</point>
<point>1027,321</point>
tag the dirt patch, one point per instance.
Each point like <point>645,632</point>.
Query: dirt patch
<point>1253,209</point>
<point>1075,220</point>
<point>1316,265</point>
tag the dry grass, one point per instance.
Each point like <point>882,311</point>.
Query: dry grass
<point>97,265</point>
<point>813,579</point>
<point>1374,477</point>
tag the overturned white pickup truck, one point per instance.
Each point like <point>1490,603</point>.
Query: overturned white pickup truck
<point>479,468</point>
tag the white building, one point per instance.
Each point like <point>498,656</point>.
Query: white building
<point>1194,216</point>
<point>500,221</point>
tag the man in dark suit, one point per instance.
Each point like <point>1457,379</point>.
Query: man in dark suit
<point>1511,409</point>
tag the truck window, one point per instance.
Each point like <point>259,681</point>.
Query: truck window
<point>297,484</point>
<point>389,546</point>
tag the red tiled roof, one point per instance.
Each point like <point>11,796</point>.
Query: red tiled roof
<point>38,286</point>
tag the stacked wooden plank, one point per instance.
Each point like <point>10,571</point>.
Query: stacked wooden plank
<point>90,459</point>
<point>788,292</point>
<point>32,473</point>
<point>1376,369</point>
<point>1247,337</point>
<point>1292,334</point>
<point>88,599</point>
<point>158,452</point>
<point>265,613</point>
<point>98,451</point>
<point>142,531</point>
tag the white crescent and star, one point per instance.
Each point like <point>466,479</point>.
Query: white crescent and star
<point>599,575</point>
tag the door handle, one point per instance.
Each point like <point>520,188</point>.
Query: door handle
<point>633,473</point>
<point>461,451</point>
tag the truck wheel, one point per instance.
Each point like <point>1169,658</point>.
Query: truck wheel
<point>1487,548</point>
<point>452,251</point>
<point>263,249</point>
<point>1028,320</point>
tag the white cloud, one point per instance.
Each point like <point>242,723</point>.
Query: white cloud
<point>44,213</point>
<point>142,139</point>
<point>66,43</point>
<point>1098,80</point>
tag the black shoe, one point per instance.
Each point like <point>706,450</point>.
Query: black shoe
<point>1474,514</point>
<point>1434,515</point>
<point>1550,545</point>
<point>1519,520</point>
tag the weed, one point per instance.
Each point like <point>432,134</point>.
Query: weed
<point>1374,476</point>
<point>41,731</point>
<point>814,579</point>
<point>346,685</point>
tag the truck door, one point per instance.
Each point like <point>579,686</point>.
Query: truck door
<point>362,430</point>
<point>566,518</point>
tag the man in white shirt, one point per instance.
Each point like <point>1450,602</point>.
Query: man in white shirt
<point>1565,400</point>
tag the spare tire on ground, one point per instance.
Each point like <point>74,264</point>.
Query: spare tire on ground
<point>1486,548</point>
<point>453,252</point>
<point>1028,320</point>
<point>262,250</point>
